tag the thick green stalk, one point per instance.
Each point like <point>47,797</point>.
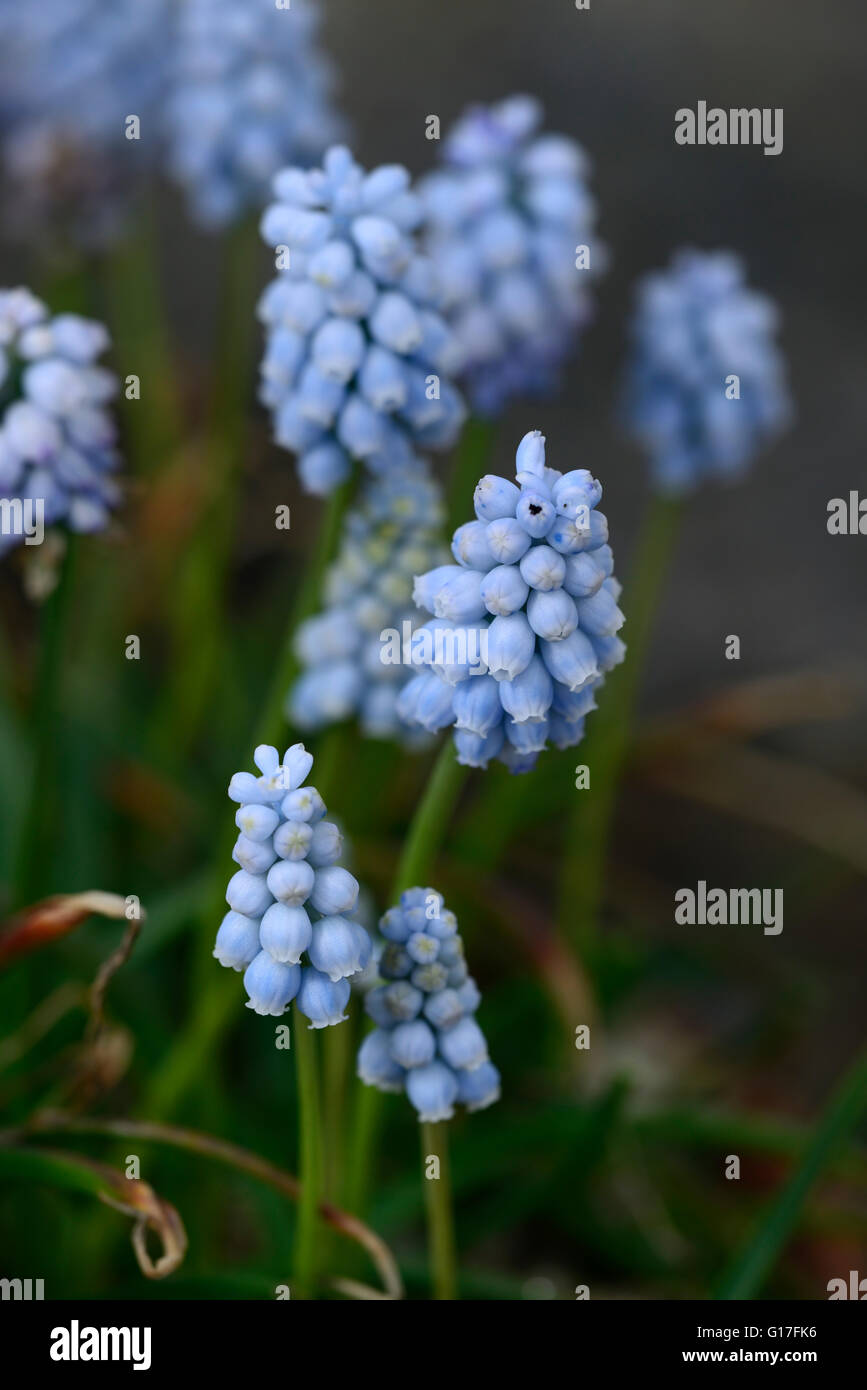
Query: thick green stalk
<point>426,834</point>
<point>310,1166</point>
<point>440,1214</point>
<point>608,732</point>
<point>752,1266</point>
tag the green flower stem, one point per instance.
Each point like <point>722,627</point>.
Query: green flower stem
<point>440,1215</point>
<point>752,1266</point>
<point>609,729</point>
<point>471,463</point>
<point>310,1156</point>
<point>215,995</point>
<point>33,846</point>
<point>426,834</point>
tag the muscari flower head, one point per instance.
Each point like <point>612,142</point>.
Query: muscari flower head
<point>71,74</point>
<point>696,328</point>
<point>525,623</point>
<point>426,1041</point>
<point>511,229</point>
<point>291,925</point>
<point>357,357</point>
<point>249,93</point>
<point>390,534</point>
<point>57,439</point>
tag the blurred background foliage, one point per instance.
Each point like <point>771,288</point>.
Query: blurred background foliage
<point>605,1167</point>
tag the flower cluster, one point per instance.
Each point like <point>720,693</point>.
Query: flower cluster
<point>357,357</point>
<point>525,624</point>
<point>249,93</point>
<point>706,381</point>
<point>71,73</point>
<point>390,534</point>
<point>57,440</point>
<point>510,227</point>
<point>290,895</point>
<point>426,1040</point>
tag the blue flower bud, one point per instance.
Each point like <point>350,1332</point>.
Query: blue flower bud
<point>599,615</point>
<point>285,933</point>
<point>543,568</point>
<point>480,1087</point>
<point>403,1000</point>
<point>413,1044</point>
<point>443,1009</point>
<point>291,881</point>
<point>395,963</point>
<point>422,947</point>
<point>536,513</point>
<point>292,840</point>
<point>576,490</point>
<point>336,950</point>
<point>470,546</point>
<point>495,497</point>
<point>528,737</point>
<point>463,1046</point>
<point>237,941</point>
<point>322,1000</point>
<point>572,705</point>
<point>552,615</point>
<point>511,644</point>
<point>376,1066</point>
<point>322,468</point>
<point>303,804</point>
<point>394,926</point>
<point>507,540</point>
<point>476,704</point>
<point>338,349</point>
<point>469,996</point>
<point>458,598</point>
<point>270,985</point>
<point>326,845</point>
<point>528,696</point>
<point>530,456</point>
<point>429,977</point>
<point>571,661</point>
<point>584,574</point>
<point>257,822</point>
<point>474,750</point>
<point>433,1091</point>
<point>335,890</point>
<point>248,893</point>
<point>256,856</point>
<point>383,380</point>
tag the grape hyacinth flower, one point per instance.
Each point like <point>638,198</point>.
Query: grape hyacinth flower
<point>511,229</point>
<point>57,440</point>
<point>390,534</point>
<point>357,359</point>
<point>72,72</point>
<point>291,898</point>
<point>426,1041</point>
<point>249,93</point>
<point>706,381</point>
<point>525,623</point>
